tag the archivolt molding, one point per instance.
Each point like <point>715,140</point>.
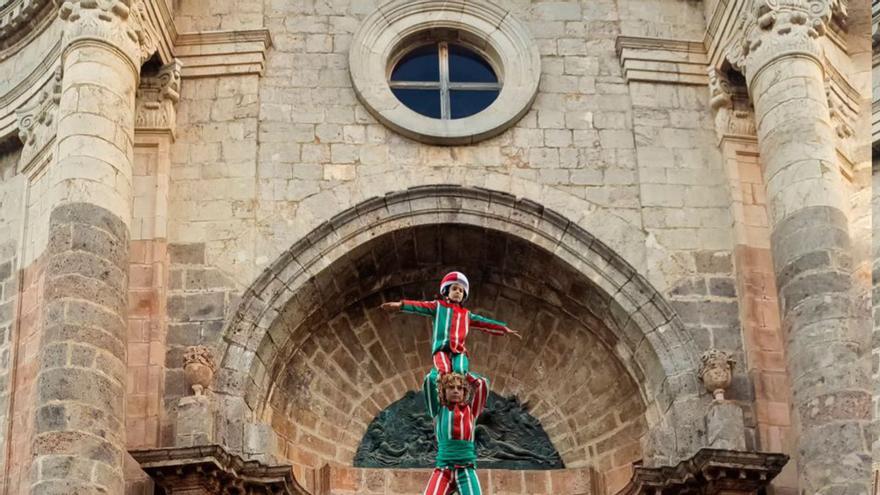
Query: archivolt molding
<point>20,20</point>
<point>650,335</point>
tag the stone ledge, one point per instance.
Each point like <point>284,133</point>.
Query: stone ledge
<point>222,53</point>
<point>662,60</point>
<point>338,480</point>
<point>210,469</point>
<point>709,471</point>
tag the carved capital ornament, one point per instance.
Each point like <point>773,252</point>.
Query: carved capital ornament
<point>156,97</point>
<point>123,24</point>
<point>772,29</point>
<point>731,107</point>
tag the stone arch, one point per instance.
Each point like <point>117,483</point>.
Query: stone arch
<point>643,332</point>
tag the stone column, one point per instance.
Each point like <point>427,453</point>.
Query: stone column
<point>79,438</point>
<point>782,59</point>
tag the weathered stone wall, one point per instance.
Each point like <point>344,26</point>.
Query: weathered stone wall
<point>11,199</point>
<point>321,152</point>
<point>200,300</point>
<point>334,480</point>
<point>259,162</point>
<point>875,306</point>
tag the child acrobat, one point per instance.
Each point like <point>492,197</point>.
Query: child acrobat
<point>452,322</point>
<point>455,402</point>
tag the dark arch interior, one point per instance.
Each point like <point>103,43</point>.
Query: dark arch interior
<point>344,360</point>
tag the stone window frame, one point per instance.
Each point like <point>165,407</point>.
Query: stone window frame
<point>396,26</point>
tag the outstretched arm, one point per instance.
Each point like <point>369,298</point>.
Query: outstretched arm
<point>424,308</point>
<point>490,326</point>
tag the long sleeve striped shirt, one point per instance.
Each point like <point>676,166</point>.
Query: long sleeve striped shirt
<point>452,323</point>
<point>457,422</point>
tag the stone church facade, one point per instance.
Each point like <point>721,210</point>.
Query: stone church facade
<point>223,193</point>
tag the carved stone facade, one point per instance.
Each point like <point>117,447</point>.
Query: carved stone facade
<point>156,96</point>
<point>184,179</point>
<point>37,124</point>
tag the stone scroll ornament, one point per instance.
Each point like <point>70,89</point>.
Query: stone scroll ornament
<point>198,368</point>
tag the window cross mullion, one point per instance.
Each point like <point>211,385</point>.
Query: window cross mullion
<point>475,86</point>
<point>445,107</point>
<point>415,84</point>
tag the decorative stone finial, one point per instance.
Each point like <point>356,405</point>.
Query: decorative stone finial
<point>716,371</point>
<point>198,368</point>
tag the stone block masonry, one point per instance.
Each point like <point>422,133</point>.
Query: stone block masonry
<point>80,387</point>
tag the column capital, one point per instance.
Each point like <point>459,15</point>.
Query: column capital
<point>734,117</point>
<point>773,29</point>
<point>122,24</point>
<point>156,97</point>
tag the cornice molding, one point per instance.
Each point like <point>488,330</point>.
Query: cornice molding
<point>19,19</point>
<point>222,53</point>
<point>10,44</point>
<point>725,471</point>
<point>662,60</point>
<point>211,469</point>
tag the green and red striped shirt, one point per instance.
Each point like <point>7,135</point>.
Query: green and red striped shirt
<point>452,323</point>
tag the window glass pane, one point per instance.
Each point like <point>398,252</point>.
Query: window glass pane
<point>466,103</point>
<point>466,66</point>
<point>423,101</point>
<point>421,64</point>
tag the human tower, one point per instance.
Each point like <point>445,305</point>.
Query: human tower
<point>454,396</point>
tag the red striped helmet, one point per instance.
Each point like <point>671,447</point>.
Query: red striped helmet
<point>455,278</point>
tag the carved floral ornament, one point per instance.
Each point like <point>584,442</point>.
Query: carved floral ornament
<point>122,23</point>
<point>774,28</point>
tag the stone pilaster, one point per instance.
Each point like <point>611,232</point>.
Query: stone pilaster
<point>782,59</point>
<point>79,437</point>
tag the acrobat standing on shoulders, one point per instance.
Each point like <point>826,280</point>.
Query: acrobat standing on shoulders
<point>455,401</point>
<point>452,322</point>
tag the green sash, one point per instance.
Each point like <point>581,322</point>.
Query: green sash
<point>451,453</point>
